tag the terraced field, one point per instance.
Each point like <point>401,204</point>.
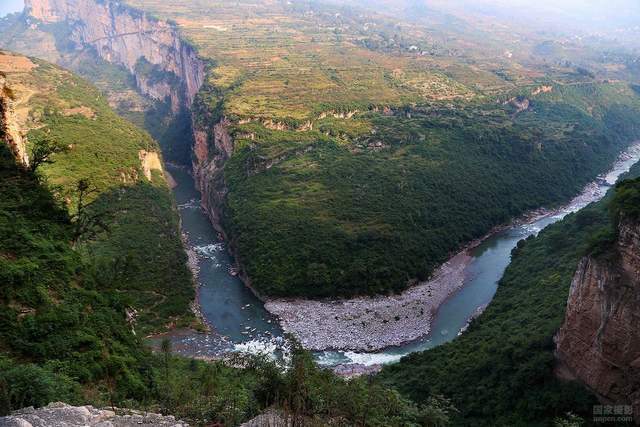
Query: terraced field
<point>366,149</point>
<point>281,61</point>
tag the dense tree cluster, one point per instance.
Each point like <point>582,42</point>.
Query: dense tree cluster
<point>64,336</point>
<point>367,214</point>
<point>501,371</point>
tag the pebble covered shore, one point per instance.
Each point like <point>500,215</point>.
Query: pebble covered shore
<point>371,324</point>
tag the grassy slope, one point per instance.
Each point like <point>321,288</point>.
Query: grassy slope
<point>56,320</point>
<point>366,221</point>
<point>65,337</point>
<point>336,217</point>
<point>500,371</point>
<point>141,255</point>
<point>319,213</point>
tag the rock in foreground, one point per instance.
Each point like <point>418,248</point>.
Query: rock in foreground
<point>63,415</point>
<point>270,418</point>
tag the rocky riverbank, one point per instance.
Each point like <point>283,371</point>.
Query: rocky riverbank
<point>371,324</point>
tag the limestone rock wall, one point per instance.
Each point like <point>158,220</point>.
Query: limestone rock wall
<point>212,148</point>
<point>599,342</point>
<point>124,36</point>
<point>9,129</point>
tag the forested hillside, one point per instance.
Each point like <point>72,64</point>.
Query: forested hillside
<point>59,326</point>
<point>346,152</point>
<point>90,245</point>
<point>369,212</point>
<point>501,371</point>
<point>128,225</point>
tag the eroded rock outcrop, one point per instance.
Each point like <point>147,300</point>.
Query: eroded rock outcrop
<point>520,104</point>
<point>165,67</point>
<point>63,415</point>
<point>213,146</point>
<point>599,342</point>
<point>152,50</point>
<point>150,161</point>
<point>9,129</point>
<point>270,418</point>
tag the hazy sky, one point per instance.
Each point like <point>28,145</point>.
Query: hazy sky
<point>588,14</point>
<point>10,6</point>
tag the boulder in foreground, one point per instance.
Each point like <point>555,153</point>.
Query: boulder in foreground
<point>63,415</point>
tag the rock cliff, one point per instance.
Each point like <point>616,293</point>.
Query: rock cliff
<point>62,415</point>
<point>212,148</point>
<point>128,37</point>
<point>164,66</point>
<point>9,131</point>
<point>599,342</point>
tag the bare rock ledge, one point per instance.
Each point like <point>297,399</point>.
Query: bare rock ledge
<point>62,415</point>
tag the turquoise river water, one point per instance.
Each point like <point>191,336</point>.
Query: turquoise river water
<point>240,322</point>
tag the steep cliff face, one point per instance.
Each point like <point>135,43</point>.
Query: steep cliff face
<point>165,67</point>
<point>9,129</point>
<point>212,148</point>
<point>127,37</point>
<point>599,342</point>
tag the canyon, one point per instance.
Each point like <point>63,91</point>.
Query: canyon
<point>128,37</point>
<point>168,68</point>
<point>334,168</point>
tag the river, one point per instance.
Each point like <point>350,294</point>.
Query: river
<point>237,318</point>
<point>240,322</point>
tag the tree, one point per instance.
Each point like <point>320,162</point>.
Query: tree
<point>569,420</point>
<point>43,148</point>
<point>86,221</point>
<point>299,377</point>
<point>436,412</point>
<point>165,348</point>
